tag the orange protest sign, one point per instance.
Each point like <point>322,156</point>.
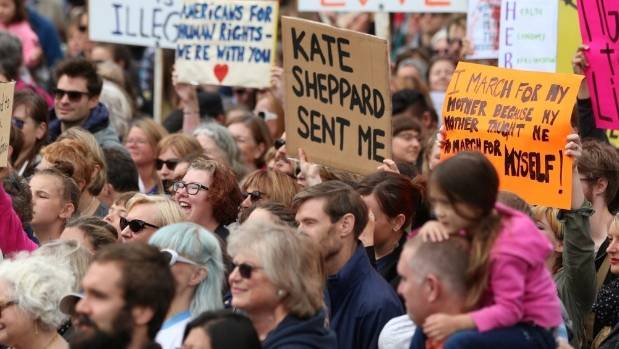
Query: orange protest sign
<point>519,120</point>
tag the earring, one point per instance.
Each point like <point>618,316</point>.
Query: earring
<point>281,293</point>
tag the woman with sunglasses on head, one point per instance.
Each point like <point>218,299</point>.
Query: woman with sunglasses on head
<point>209,195</point>
<point>30,116</point>
<point>146,214</point>
<point>196,263</point>
<point>141,142</point>
<point>270,185</point>
<point>171,150</point>
<point>284,301</point>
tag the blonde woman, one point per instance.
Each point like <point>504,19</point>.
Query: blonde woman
<point>146,214</point>
<point>141,142</point>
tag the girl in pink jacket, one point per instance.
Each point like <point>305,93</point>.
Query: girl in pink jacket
<point>13,18</point>
<point>512,299</point>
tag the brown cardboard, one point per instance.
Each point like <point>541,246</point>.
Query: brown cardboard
<point>6,111</point>
<point>350,59</point>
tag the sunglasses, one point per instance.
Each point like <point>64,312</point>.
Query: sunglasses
<point>18,123</point>
<point>279,143</point>
<point>136,225</point>
<point>74,96</point>
<point>172,257</point>
<point>82,28</point>
<point>245,270</point>
<point>170,164</point>
<point>254,196</point>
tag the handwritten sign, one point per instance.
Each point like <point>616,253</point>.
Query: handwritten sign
<point>337,95</point>
<point>483,28</point>
<point>227,42</point>
<point>528,35</point>
<point>134,22</point>
<point>520,121</point>
<point>568,38</point>
<point>600,31</point>
<point>6,111</point>
<point>383,5</point>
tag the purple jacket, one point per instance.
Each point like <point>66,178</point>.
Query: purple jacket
<point>13,238</point>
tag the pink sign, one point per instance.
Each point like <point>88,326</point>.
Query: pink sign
<point>599,27</point>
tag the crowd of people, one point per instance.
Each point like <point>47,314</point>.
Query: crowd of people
<point>205,231</point>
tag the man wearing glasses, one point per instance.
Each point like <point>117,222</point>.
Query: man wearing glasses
<point>76,103</point>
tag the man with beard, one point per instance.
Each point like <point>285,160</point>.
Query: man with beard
<point>360,301</point>
<point>126,294</point>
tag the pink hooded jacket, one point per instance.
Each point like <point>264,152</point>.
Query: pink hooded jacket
<point>521,289</point>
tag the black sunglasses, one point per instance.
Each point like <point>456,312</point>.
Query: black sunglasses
<point>170,164</point>
<point>254,196</point>
<point>136,225</point>
<point>279,143</point>
<point>245,270</point>
<point>74,96</point>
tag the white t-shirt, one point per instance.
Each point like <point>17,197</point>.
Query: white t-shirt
<point>170,336</point>
<point>397,333</point>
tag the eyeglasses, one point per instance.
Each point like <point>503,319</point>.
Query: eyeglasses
<point>254,196</point>
<point>192,188</point>
<point>18,123</point>
<point>170,164</point>
<point>74,96</point>
<point>4,306</point>
<point>136,225</point>
<point>245,270</point>
<point>173,257</point>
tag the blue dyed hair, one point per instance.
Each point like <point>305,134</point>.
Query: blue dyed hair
<point>201,246</point>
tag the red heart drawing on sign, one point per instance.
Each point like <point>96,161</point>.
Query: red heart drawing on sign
<point>363,2</point>
<point>220,70</point>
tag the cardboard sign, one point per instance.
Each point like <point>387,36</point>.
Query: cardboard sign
<point>6,112</point>
<point>568,38</point>
<point>227,42</point>
<point>483,28</point>
<point>528,35</point>
<point>600,31</point>
<point>520,121</point>
<point>337,102</point>
<point>383,5</point>
<point>134,22</point>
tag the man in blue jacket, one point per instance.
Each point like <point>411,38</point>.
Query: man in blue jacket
<point>76,102</point>
<point>360,301</point>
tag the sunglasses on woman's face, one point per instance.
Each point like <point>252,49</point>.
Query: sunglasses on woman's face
<point>254,196</point>
<point>245,270</point>
<point>170,164</point>
<point>136,225</point>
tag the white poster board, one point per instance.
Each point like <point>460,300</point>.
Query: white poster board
<point>383,5</point>
<point>528,35</point>
<point>149,23</point>
<point>483,28</point>
<point>227,42</point>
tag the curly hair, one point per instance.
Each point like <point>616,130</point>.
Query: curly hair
<point>37,284</point>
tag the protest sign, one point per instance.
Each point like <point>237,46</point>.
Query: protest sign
<point>613,137</point>
<point>337,102</point>
<point>528,35</point>
<point>134,22</point>
<point>6,111</point>
<point>227,42</point>
<point>600,31</point>
<point>383,5</point>
<point>520,121</point>
<point>482,27</point>
<point>568,38</point>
